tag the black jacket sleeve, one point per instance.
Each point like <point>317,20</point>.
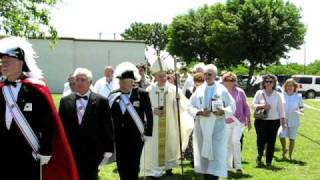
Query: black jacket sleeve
<point>106,130</point>
<point>148,113</point>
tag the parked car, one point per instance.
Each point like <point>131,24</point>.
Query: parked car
<point>309,85</point>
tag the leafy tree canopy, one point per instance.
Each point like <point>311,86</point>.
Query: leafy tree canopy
<point>154,34</point>
<point>28,18</point>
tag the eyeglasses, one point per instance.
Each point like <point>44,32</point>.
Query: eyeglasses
<point>269,82</point>
<point>8,62</point>
<point>208,74</point>
<point>229,80</point>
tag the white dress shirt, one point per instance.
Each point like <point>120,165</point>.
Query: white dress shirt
<point>15,91</point>
<point>104,88</point>
<point>275,100</point>
<point>82,105</point>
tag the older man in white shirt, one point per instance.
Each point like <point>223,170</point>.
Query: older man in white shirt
<point>105,85</point>
<point>212,104</point>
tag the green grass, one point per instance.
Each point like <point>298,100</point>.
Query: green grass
<point>305,166</point>
<point>313,102</point>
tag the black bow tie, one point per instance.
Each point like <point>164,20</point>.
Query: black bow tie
<point>83,97</point>
<point>126,93</point>
<point>7,83</point>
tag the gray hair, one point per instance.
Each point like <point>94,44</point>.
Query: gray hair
<point>212,67</point>
<point>269,76</point>
<point>108,67</point>
<point>84,71</point>
<point>199,65</point>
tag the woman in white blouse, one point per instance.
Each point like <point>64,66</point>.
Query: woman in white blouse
<point>266,129</point>
<point>293,109</point>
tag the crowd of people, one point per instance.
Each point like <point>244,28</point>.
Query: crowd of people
<point>141,122</point>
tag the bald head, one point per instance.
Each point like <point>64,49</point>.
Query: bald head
<point>108,73</point>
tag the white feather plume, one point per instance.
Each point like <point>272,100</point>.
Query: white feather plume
<point>127,66</point>
<point>29,54</point>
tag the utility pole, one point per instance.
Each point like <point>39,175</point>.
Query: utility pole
<point>100,35</point>
<point>305,57</point>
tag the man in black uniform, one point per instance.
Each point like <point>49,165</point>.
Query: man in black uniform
<point>86,118</point>
<point>129,108</point>
<point>28,121</point>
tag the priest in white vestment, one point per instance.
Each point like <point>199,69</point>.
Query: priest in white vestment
<point>212,104</point>
<point>162,151</point>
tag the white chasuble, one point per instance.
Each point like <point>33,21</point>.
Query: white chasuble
<point>162,150</point>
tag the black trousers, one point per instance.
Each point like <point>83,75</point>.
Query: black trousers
<point>128,153</point>
<point>88,166</point>
<point>266,131</point>
<point>18,169</point>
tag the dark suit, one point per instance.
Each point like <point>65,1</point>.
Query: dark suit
<point>92,137</point>
<point>15,153</point>
<point>127,136</point>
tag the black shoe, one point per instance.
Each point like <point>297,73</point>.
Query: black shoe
<point>268,165</point>
<point>169,172</point>
<point>192,164</point>
<point>239,172</point>
<point>152,178</point>
<point>258,161</point>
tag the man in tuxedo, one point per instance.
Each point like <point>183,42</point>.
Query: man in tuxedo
<point>129,108</point>
<point>86,118</point>
<point>31,134</point>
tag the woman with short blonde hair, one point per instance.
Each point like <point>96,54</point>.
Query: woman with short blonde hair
<point>293,110</point>
<point>294,84</point>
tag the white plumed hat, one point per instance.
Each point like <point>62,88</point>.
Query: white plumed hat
<point>21,49</point>
<point>127,70</point>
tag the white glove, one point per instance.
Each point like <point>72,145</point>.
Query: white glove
<point>107,159</point>
<point>107,154</point>
<point>43,159</point>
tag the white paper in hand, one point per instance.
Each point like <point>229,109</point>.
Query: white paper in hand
<point>216,104</point>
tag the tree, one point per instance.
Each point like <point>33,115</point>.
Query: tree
<point>29,18</point>
<point>264,31</point>
<point>256,31</point>
<point>154,34</point>
<point>188,36</point>
<point>278,69</point>
<point>313,68</point>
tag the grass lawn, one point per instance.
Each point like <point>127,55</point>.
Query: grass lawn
<point>313,102</point>
<point>305,166</point>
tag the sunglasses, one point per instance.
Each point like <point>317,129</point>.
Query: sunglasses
<point>208,74</point>
<point>269,82</point>
<point>229,80</point>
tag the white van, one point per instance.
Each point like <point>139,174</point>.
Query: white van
<point>309,85</point>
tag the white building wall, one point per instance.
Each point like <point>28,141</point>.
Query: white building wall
<point>68,54</point>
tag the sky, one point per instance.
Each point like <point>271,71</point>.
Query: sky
<point>109,18</point>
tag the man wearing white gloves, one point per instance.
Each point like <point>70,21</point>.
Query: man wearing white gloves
<point>31,133</point>
<point>132,117</point>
